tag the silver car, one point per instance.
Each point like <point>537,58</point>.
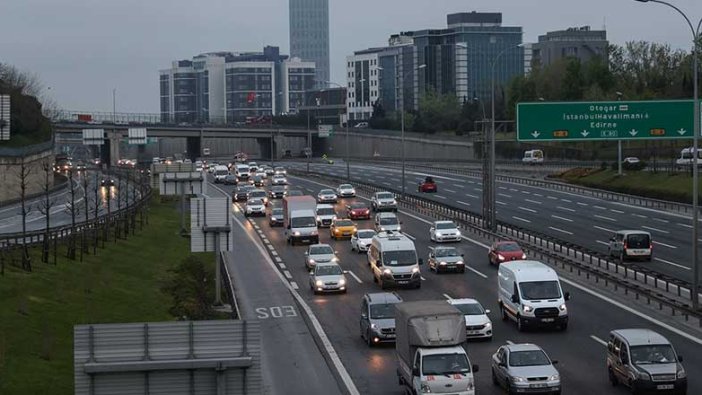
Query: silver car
<point>346,190</point>
<point>521,368</point>
<point>362,239</point>
<point>442,231</point>
<point>383,201</point>
<point>387,222</point>
<point>255,207</point>
<point>326,196</point>
<point>327,277</point>
<point>279,180</point>
<point>319,253</point>
<point>443,259</point>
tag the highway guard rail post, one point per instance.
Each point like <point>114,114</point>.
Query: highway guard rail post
<point>655,288</point>
<point>12,245</point>
<point>229,286</point>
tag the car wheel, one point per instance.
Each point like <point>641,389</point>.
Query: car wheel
<point>564,327</point>
<point>520,325</point>
<point>375,279</point>
<point>612,378</point>
<point>463,270</point>
<point>369,340</point>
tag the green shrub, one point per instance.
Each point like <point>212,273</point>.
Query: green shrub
<point>191,288</point>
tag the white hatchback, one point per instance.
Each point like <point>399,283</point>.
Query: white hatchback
<point>478,324</point>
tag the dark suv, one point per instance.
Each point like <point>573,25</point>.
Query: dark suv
<point>378,317</point>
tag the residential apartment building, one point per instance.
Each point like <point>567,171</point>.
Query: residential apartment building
<point>309,34</point>
<point>578,42</point>
<point>223,87</point>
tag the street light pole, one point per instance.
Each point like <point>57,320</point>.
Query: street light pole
<point>348,157</point>
<point>695,146</point>
<point>619,145</point>
<point>402,123</point>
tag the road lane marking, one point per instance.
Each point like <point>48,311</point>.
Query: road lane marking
<point>566,200</point>
<point>458,186</point>
<point>356,277</point>
<point>410,236</point>
<point>447,297</point>
<point>616,211</point>
<point>504,188</point>
<point>665,221</point>
<point>643,216</point>
<point>440,197</point>
<point>603,217</point>
<point>672,263</point>
<point>478,189</point>
<point>605,229</point>
<point>476,272</point>
<point>449,190</point>
<point>566,209</point>
<point>597,339</point>
<point>473,196</point>
<point>686,225</point>
<point>521,219</point>
<point>526,192</point>
<point>423,279</point>
<point>664,245</point>
<point>533,201</point>
<point>552,197</point>
<point>582,204</point>
<point>538,194</point>
<point>527,209</point>
<point>504,195</point>
<point>294,285</point>
<point>562,218</point>
<point>600,207</point>
<point>277,259</point>
<point>602,242</point>
<point>463,203</point>
<point>514,190</point>
<point>560,230</point>
<point>282,265</point>
<point>655,229</point>
<point>287,275</point>
<point>502,203</point>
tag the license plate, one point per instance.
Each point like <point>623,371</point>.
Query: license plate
<point>391,336</point>
<point>547,320</point>
<point>402,282</point>
<point>473,332</point>
<point>537,385</point>
<point>665,386</point>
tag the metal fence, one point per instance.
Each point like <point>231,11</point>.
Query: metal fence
<point>655,288</point>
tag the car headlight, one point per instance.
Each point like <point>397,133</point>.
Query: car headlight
<point>500,257</point>
<point>342,282</point>
<point>437,234</point>
<point>319,283</point>
<point>334,218</point>
<point>318,219</point>
<point>374,326</point>
<point>459,263</point>
<point>335,259</point>
<point>681,373</point>
<point>643,376</point>
<point>442,263</point>
<point>524,256</point>
<point>382,229</point>
<point>310,261</point>
<point>394,201</point>
<point>458,232</point>
<point>528,309</point>
<point>399,227</point>
<point>562,307</point>
<point>518,379</point>
<point>488,325</point>
<point>415,270</point>
<point>296,233</point>
<point>387,271</point>
<point>425,388</point>
<point>314,233</point>
<point>354,229</point>
<point>555,377</point>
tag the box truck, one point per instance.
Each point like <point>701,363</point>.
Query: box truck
<point>300,219</point>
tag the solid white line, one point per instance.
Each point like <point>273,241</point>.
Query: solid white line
<point>409,235</point>
<point>602,242</point>
<point>562,218</point>
<point>463,203</point>
<point>476,272</point>
<point>294,285</point>
<point>603,217</point>
<point>605,229</point>
<point>686,225</point>
<point>449,190</point>
<point>447,297</point>
<point>654,229</point>
<point>560,230</point>
<point>356,277</point>
<point>521,219</point>
<point>672,263</point>
<point>597,339</point>
<point>527,209</point>
<point>504,195</point>
<point>616,211</point>
<point>566,209</point>
<point>533,201</point>
<point>633,311</point>
<point>665,245</point>
<point>287,275</point>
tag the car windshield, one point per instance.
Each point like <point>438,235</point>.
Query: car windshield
<point>345,186</point>
<point>221,172</point>
<point>279,169</point>
<point>537,290</point>
<point>400,258</point>
<point>508,247</point>
<point>344,222</point>
<point>638,240</point>
<point>328,270</point>
<point>254,202</point>
<point>382,311</point>
<point>386,195</point>
<point>651,354</point>
<point>365,234</point>
<point>326,211</point>
<point>444,252</point>
<point>445,225</point>
<point>321,250</point>
<point>528,358</point>
<point>257,193</point>
<point>303,222</point>
<point>470,308</point>
<point>326,192</point>
<point>442,364</point>
<point>278,189</point>
<point>355,206</point>
<point>277,212</point>
<point>388,221</point>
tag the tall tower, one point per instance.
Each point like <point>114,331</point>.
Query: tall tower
<point>309,34</point>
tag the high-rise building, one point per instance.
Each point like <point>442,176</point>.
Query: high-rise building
<point>226,86</point>
<point>309,34</point>
<point>577,42</point>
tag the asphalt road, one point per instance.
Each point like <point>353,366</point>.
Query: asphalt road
<point>580,351</point>
<point>582,220</point>
<point>60,215</point>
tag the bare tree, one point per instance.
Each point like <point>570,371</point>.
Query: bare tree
<point>44,207</point>
<point>73,208</point>
<point>24,173</point>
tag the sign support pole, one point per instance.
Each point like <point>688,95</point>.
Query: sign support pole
<point>218,271</point>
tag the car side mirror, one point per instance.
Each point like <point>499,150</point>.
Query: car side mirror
<point>415,371</point>
<point>680,358</point>
<point>463,255</point>
<point>346,272</point>
<point>515,299</point>
<point>476,368</point>
<point>336,252</point>
<point>487,311</point>
<point>501,364</point>
<point>421,261</point>
<point>566,296</point>
<point>364,316</point>
<point>554,362</point>
<point>307,253</point>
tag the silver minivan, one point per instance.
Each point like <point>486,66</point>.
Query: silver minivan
<point>631,244</point>
<point>644,361</point>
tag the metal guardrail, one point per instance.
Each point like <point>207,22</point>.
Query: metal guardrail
<point>229,287</point>
<point>643,283</point>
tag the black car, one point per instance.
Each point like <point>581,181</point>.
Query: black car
<point>229,179</point>
<point>240,193</point>
<point>107,182</point>
<point>275,218</point>
<point>277,192</point>
<point>257,181</point>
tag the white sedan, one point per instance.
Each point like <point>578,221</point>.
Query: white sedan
<point>346,190</point>
<point>442,231</point>
<point>361,240</point>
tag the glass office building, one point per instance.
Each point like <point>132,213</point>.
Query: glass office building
<point>309,34</point>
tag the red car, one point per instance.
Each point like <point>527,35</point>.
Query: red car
<point>503,251</point>
<point>428,185</point>
<point>358,211</point>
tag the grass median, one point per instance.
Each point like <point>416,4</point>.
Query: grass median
<point>662,185</point>
<point>121,284</point>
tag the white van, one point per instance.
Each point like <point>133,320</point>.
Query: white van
<point>532,157</point>
<point>687,156</point>
<point>242,172</point>
<point>220,173</point>
<point>530,293</point>
<point>393,260</point>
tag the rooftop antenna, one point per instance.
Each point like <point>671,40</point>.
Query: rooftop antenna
<point>604,23</point>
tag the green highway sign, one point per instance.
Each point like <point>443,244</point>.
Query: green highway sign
<point>616,120</point>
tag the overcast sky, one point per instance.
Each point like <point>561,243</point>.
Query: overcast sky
<point>82,49</point>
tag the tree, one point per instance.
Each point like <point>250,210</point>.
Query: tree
<point>191,288</point>
<point>23,175</point>
<point>573,81</point>
<point>438,112</point>
<point>73,208</point>
<point>45,206</point>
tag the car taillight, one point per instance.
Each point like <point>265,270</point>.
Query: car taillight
<point>625,245</point>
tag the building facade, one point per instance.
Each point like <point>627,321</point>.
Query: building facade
<point>576,42</point>
<point>309,35</point>
<point>326,106</point>
<point>221,87</point>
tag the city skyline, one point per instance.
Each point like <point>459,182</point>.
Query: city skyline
<point>83,59</point>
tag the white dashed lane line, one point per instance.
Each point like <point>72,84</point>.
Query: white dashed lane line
<point>441,197</point>
<point>565,208</point>
<point>600,207</point>
<point>459,186</point>
<point>602,242</point>
<point>603,217</point>
<point>616,211</point>
<point>685,225</point>
<point>582,204</point>
<point>504,195</point>
<point>597,339</point>
<point>287,275</point>
<point>463,203</point>
<point>560,230</point>
<point>527,209</point>
<point>642,216</point>
<point>282,265</point>
<point>605,229</point>
<point>449,190</point>
<point>552,197</point>
<point>566,200</point>
<point>521,219</point>
<point>672,263</point>
<point>664,245</point>
<point>665,221</point>
<point>410,236</point>
<point>355,277</point>
<point>562,218</point>
<point>294,285</point>
<point>533,201</point>
<point>472,196</point>
<point>502,203</point>
<point>655,229</point>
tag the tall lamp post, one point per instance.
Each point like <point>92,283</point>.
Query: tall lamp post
<point>695,139</point>
<point>492,216</point>
<point>348,158</point>
<point>402,122</point>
